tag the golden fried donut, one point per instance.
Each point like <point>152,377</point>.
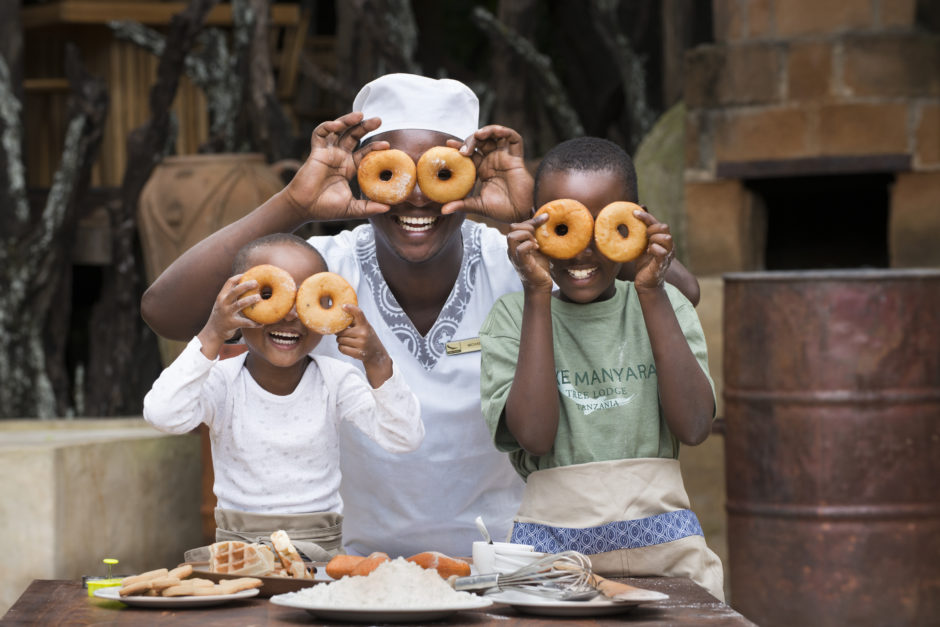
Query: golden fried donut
<point>568,230</point>
<point>320,287</point>
<point>386,176</point>
<point>616,243</point>
<point>277,289</point>
<point>445,175</point>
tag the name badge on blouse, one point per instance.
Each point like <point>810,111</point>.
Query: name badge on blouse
<point>458,347</point>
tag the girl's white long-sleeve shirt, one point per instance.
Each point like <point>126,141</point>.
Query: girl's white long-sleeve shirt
<point>280,454</point>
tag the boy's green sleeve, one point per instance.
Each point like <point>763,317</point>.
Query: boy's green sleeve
<point>499,338</point>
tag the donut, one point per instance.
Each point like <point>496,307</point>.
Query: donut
<point>386,176</point>
<point>568,230</point>
<point>445,175</point>
<point>311,310</point>
<point>620,235</point>
<point>277,289</point>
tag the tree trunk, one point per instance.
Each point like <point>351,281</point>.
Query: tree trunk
<point>510,83</point>
<point>35,255</point>
<point>124,349</point>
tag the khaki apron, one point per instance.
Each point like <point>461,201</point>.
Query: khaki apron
<point>630,516</point>
<point>317,536</point>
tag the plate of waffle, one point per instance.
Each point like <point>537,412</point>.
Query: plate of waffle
<point>279,566</point>
<point>270,585</point>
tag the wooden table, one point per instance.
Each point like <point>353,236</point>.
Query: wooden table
<point>58,602</point>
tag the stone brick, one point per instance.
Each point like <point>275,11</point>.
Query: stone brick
<point>854,129</point>
<point>727,20</point>
<point>894,65</point>
<point>725,228</point>
<point>759,19</point>
<point>927,137</point>
<point>765,133</point>
<point>795,18</point>
<point>703,66</point>
<point>897,13</point>
<point>751,74</point>
<point>915,221</point>
<point>809,70</point>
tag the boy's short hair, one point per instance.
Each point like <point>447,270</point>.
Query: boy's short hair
<point>589,154</point>
<point>240,262</point>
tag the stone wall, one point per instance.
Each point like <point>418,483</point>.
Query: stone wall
<point>810,87</point>
<point>77,491</point>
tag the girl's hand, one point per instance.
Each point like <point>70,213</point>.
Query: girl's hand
<point>651,266</point>
<point>505,192</point>
<point>360,341</point>
<point>226,317</point>
<point>532,265</point>
<point>320,188</point>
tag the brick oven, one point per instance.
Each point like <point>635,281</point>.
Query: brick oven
<point>813,136</point>
<point>812,142</point>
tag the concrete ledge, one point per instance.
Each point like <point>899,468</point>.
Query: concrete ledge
<point>78,491</point>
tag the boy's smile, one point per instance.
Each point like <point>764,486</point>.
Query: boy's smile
<point>589,276</point>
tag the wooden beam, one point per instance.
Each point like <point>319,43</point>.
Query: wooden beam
<point>809,166</point>
<point>151,13</point>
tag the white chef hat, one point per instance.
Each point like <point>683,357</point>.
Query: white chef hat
<point>409,101</point>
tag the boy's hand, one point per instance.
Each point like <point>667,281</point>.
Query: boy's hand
<point>532,265</point>
<point>320,188</point>
<point>360,341</point>
<point>226,317</point>
<point>505,184</point>
<point>651,266</point>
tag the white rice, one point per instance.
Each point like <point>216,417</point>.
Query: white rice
<point>396,584</point>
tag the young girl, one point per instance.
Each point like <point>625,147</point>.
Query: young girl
<point>274,412</point>
<point>591,389</point>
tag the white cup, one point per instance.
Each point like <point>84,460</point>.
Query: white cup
<point>501,557</point>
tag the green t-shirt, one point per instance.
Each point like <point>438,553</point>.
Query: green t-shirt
<point>606,377</point>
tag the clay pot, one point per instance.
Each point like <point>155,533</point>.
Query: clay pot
<point>190,197</point>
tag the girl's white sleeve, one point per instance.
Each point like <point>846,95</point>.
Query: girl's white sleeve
<point>390,414</point>
<point>176,403</point>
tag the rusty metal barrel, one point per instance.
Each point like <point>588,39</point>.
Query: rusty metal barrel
<point>832,446</point>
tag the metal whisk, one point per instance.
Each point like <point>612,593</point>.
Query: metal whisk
<point>565,575</point>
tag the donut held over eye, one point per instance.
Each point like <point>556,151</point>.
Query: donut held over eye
<point>568,230</point>
<point>277,289</point>
<point>386,176</point>
<point>320,300</point>
<point>620,235</point>
<point>445,175</point>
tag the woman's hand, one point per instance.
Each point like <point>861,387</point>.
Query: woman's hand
<point>320,188</point>
<point>532,265</point>
<point>505,192</point>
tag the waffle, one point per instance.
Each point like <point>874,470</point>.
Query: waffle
<point>234,557</point>
<point>288,555</point>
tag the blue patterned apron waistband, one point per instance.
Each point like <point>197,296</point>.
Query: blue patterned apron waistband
<point>622,534</point>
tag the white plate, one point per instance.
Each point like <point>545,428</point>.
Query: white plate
<point>111,594</point>
<point>381,615</point>
<point>544,606</point>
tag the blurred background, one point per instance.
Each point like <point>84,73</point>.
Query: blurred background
<point>798,138</point>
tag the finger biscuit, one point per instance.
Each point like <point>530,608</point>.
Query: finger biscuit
<point>162,583</point>
<point>231,586</point>
<point>147,576</point>
<point>136,588</point>
<point>182,572</point>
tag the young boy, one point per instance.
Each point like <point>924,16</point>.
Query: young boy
<point>274,412</point>
<point>591,388</point>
